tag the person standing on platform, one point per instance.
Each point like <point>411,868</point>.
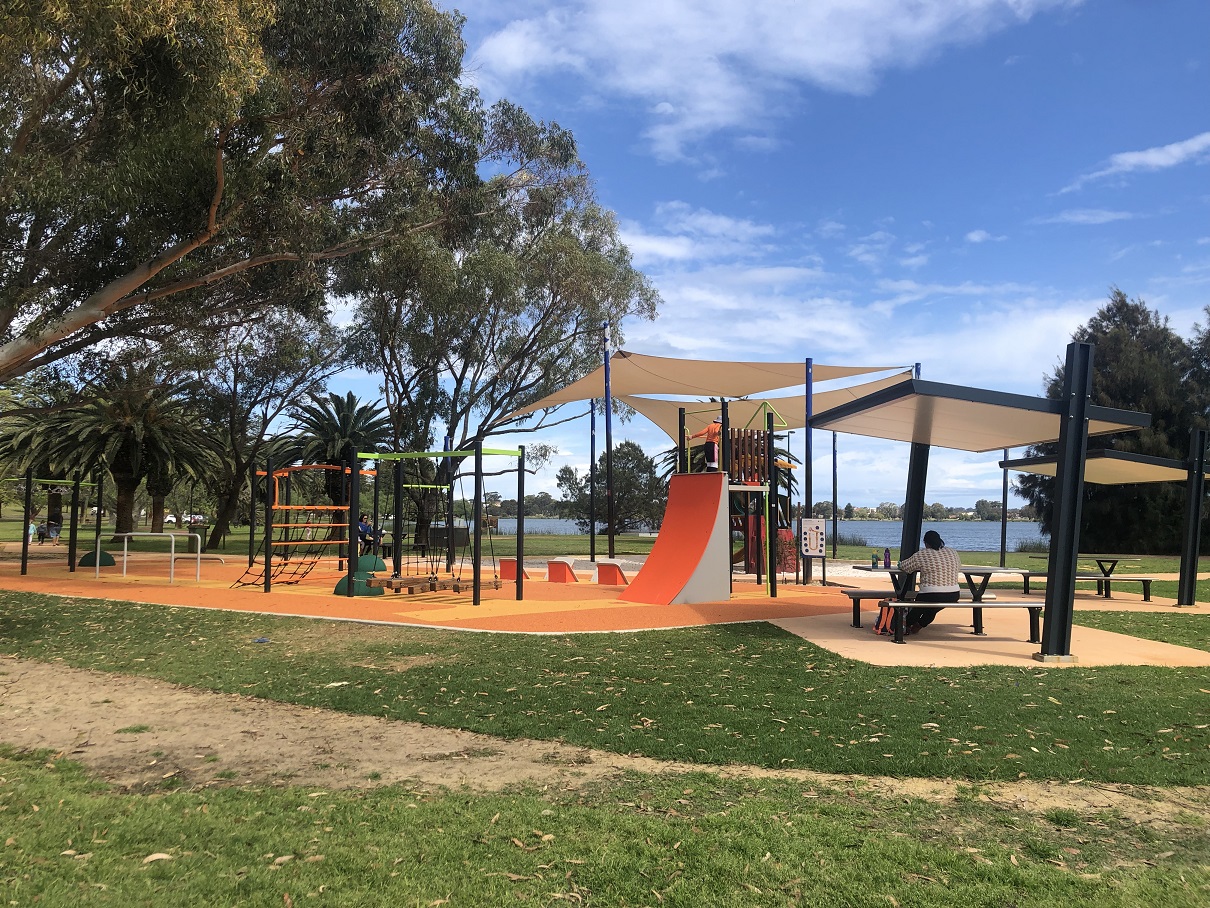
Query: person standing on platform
<point>713,434</point>
<point>939,569</point>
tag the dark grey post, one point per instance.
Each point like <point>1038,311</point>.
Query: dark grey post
<point>73,534</point>
<point>1195,491</point>
<point>251,513</point>
<point>374,540</point>
<point>592,483</point>
<point>354,518</point>
<point>269,502</point>
<point>96,548</point>
<point>1004,514</point>
<point>682,444</point>
<point>913,505</point>
<point>724,441</point>
<point>834,501</point>
<point>29,515</point>
<point>397,536</point>
<point>808,488</point>
<point>1067,506</point>
<point>449,466</point>
<point>521,523</point>
<point>771,530</point>
<point>610,505</point>
<point>477,547</point>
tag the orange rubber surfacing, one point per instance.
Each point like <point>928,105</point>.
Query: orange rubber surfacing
<point>548,608</point>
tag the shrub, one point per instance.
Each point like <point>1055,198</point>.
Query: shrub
<point>1038,546</point>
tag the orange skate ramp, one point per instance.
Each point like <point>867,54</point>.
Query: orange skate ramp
<point>690,561</point>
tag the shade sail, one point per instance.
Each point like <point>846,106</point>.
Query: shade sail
<point>966,419</point>
<point>1110,468</point>
<point>636,373</point>
<point>789,412</point>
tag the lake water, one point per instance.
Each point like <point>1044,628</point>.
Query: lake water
<point>965,535</point>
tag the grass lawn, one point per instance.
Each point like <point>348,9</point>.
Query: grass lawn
<point>747,694</point>
<point>688,842</point>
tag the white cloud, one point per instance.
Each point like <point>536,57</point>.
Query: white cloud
<point>705,66</point>
<point>873,249</point>
<point>1160,157</point>
<point>982,236</point>
<point>1085,216</point>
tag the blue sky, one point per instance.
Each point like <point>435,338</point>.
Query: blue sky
<point>952,182</point>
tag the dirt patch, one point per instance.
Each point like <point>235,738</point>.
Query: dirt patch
<point>139,733</point>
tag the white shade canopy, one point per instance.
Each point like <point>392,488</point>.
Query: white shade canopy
<point>1109,468</point>
<point>636,373</point>
<point>788,412</point>
<point>966,419</point>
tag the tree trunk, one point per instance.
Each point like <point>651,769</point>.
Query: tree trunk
<point>126,486</point>
<point>157,514</point>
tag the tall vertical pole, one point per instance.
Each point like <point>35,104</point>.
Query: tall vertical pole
<point>609,501</point>
<point>1067,507</point>
<point>449,506</point>
<point>354,559</point>
<point>592,481</point>
<point>73,534</point>
<point>29,516</point>
<point>772,524</point>
<point>374,519</point>
<point>682,442</point>
<point>269,502</point>
<point>398,534</point>
<point>1004,514</point>
<point>834,501</point>
<point>96,542</point>
<point>913,506</point>
<point>520,523</point>
<point>808,488</point>
<point>724,465</point>
<point>1195,492</point>
<point>477,548</point>
<point>251,513</point>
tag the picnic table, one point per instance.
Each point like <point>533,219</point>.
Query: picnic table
<point>977,577</point>
<point>1106,564</point>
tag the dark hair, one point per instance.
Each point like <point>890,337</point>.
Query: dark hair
<point>933,540</point>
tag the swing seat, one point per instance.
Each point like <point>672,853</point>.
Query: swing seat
<point>559,570</point>
<point>508,569</point>
<point>610,573</point>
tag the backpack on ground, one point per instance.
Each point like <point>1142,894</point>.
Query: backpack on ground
<point>884,625</point>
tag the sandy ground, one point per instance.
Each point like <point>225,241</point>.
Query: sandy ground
<point>201,739</point>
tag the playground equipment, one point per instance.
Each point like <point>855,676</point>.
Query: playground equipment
<point>425,558</point>
<point>423,573</point>
<point>297,537</point>
<point>691,559</point>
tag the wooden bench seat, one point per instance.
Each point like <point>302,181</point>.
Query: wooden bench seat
<point>1104,584</point>
<point>426,584</point>
<point>901,607</point>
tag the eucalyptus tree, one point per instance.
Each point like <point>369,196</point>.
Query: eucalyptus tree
<point>466,333</point>
<point>150,152</point>
<point>248,376</point>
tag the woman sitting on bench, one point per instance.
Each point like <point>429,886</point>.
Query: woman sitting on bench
<point>939,570</point>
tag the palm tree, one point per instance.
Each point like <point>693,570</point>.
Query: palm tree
<point>330,429</point>
<point>137,424</point>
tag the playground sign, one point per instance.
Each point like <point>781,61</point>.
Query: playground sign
<point>813,538</point>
